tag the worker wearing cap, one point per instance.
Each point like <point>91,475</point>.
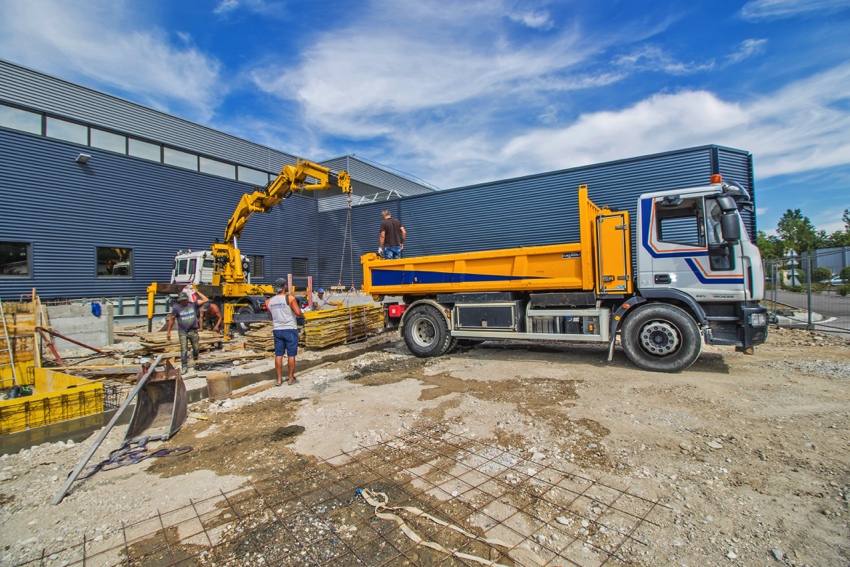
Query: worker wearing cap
<point>319,300</point>
<point>186,315</point>
<point>284,309</point>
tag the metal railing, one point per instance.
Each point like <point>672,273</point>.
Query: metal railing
<point>795,299</point>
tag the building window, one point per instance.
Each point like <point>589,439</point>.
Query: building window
<point>144,150</point>
<point>219,168</point>
<point>20,119</point>
<point>114,262</point>
<point>15,259</point>
<point>299,267</point>
<point>258,266</point>
<point>254,177</point>
<point>108,141</point>
<point>180,159</point>
<point>68,131</point>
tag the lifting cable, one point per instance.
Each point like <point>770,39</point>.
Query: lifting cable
<point>348,239</point>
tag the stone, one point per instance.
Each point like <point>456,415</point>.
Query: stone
<point>777,554</point>
<point>714,445</point>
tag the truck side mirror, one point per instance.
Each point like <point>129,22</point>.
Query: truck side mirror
<point>730,227</point>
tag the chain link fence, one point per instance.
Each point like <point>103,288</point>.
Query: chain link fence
<point>799,293</point>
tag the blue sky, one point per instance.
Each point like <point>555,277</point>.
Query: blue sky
<point>457,93</point>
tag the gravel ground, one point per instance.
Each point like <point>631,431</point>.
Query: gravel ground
<point>749,452</point>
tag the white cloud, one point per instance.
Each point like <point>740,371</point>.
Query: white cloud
<point>802,127</point>
<point>748,48</point>
<point>260,7</point>
<point>405,58</point>
<point>537,20</point>
<point>775,9</point>
<point>108,42</point>
<point>653,58</point>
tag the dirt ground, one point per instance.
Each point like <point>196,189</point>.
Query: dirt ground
<point>748,455</point>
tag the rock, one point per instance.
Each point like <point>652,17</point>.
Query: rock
<point>563,520</point>
<point>714,444</point>
<point>686,447</point>
<point>5,475</point>
<point>777,554</point>
<point>732,555</point>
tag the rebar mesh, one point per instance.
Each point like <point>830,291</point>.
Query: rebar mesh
<point>477,504</point>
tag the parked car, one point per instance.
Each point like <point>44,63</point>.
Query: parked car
<point>835,280</point>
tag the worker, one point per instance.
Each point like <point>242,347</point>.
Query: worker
<point>284,309</point>
<point>186,315</point>
<point>320,301</point>
<point>392,237</point>
<point>212,315</point>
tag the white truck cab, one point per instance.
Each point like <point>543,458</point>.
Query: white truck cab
<point>197,268</point>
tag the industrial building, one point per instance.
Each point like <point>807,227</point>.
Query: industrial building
<point>97,194</point>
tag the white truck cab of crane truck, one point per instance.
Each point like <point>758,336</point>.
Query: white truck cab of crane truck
<point>198,267</point>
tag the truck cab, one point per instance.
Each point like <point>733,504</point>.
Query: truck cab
<point>198,268</point>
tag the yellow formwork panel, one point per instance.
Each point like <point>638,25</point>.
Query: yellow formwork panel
<point>58,397</point>
<point>20,324</point>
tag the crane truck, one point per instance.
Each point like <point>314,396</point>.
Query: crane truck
<point>222,273</point>
<point>695,276</point>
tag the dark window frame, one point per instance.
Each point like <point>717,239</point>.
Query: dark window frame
<point>28,245</point>
<point>130,262</point>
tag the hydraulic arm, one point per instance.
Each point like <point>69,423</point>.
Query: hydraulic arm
<point>292,179</point>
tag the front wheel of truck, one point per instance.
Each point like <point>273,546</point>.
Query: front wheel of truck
<point>661,338</point>
<point>426,332</point>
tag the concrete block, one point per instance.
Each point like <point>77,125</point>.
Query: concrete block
<point>78,323</point>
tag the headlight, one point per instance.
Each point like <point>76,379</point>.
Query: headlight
<point>758,320</point>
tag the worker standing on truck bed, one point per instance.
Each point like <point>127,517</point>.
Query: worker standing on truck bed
<point>284,308</point>
<point>392,237</point>
<point>186,315</point>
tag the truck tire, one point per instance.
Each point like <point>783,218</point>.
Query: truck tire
<point>661,338</point>
<point>242,328</point>
<point>426,332</point>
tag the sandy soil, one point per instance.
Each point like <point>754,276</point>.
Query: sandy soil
<point>750,453</point>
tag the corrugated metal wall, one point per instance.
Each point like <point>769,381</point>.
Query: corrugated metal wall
<point>538,209</point>
<point>45,93</point>
<point>66,210</point>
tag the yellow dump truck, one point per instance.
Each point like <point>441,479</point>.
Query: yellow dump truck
<point>694,276</point>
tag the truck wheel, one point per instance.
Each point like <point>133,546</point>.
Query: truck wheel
<point>241,327</point>
<point>661,338</point>
<point>426,332</point>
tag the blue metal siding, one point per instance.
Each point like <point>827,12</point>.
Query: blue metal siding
<point>533,210</point>
<point>65,210</point>
<point>365,229</point>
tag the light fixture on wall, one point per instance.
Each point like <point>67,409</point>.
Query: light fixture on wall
<point>83,158</point>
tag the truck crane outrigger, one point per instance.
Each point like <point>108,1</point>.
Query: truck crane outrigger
<point>222,273</point>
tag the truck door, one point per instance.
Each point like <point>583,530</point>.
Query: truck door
<point>613,254</point>
<point>683,249</point>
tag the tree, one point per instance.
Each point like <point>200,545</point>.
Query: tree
<point>846,219</point>
<point>797,231</point>
<point>821,274</point>
<point>771,247</point>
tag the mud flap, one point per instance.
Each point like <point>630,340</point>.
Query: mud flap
<point>161,406</point>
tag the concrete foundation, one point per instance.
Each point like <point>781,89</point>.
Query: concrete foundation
<point>78,323</point>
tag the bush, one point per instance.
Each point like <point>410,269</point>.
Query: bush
<point>795,288</point>
<point>845,274</point>
<point>821,274</point>
<point>844,290</point>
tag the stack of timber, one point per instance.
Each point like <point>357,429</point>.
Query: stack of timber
<point>343,324</point>
<point>260,337</point>
<point>157,343</point>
